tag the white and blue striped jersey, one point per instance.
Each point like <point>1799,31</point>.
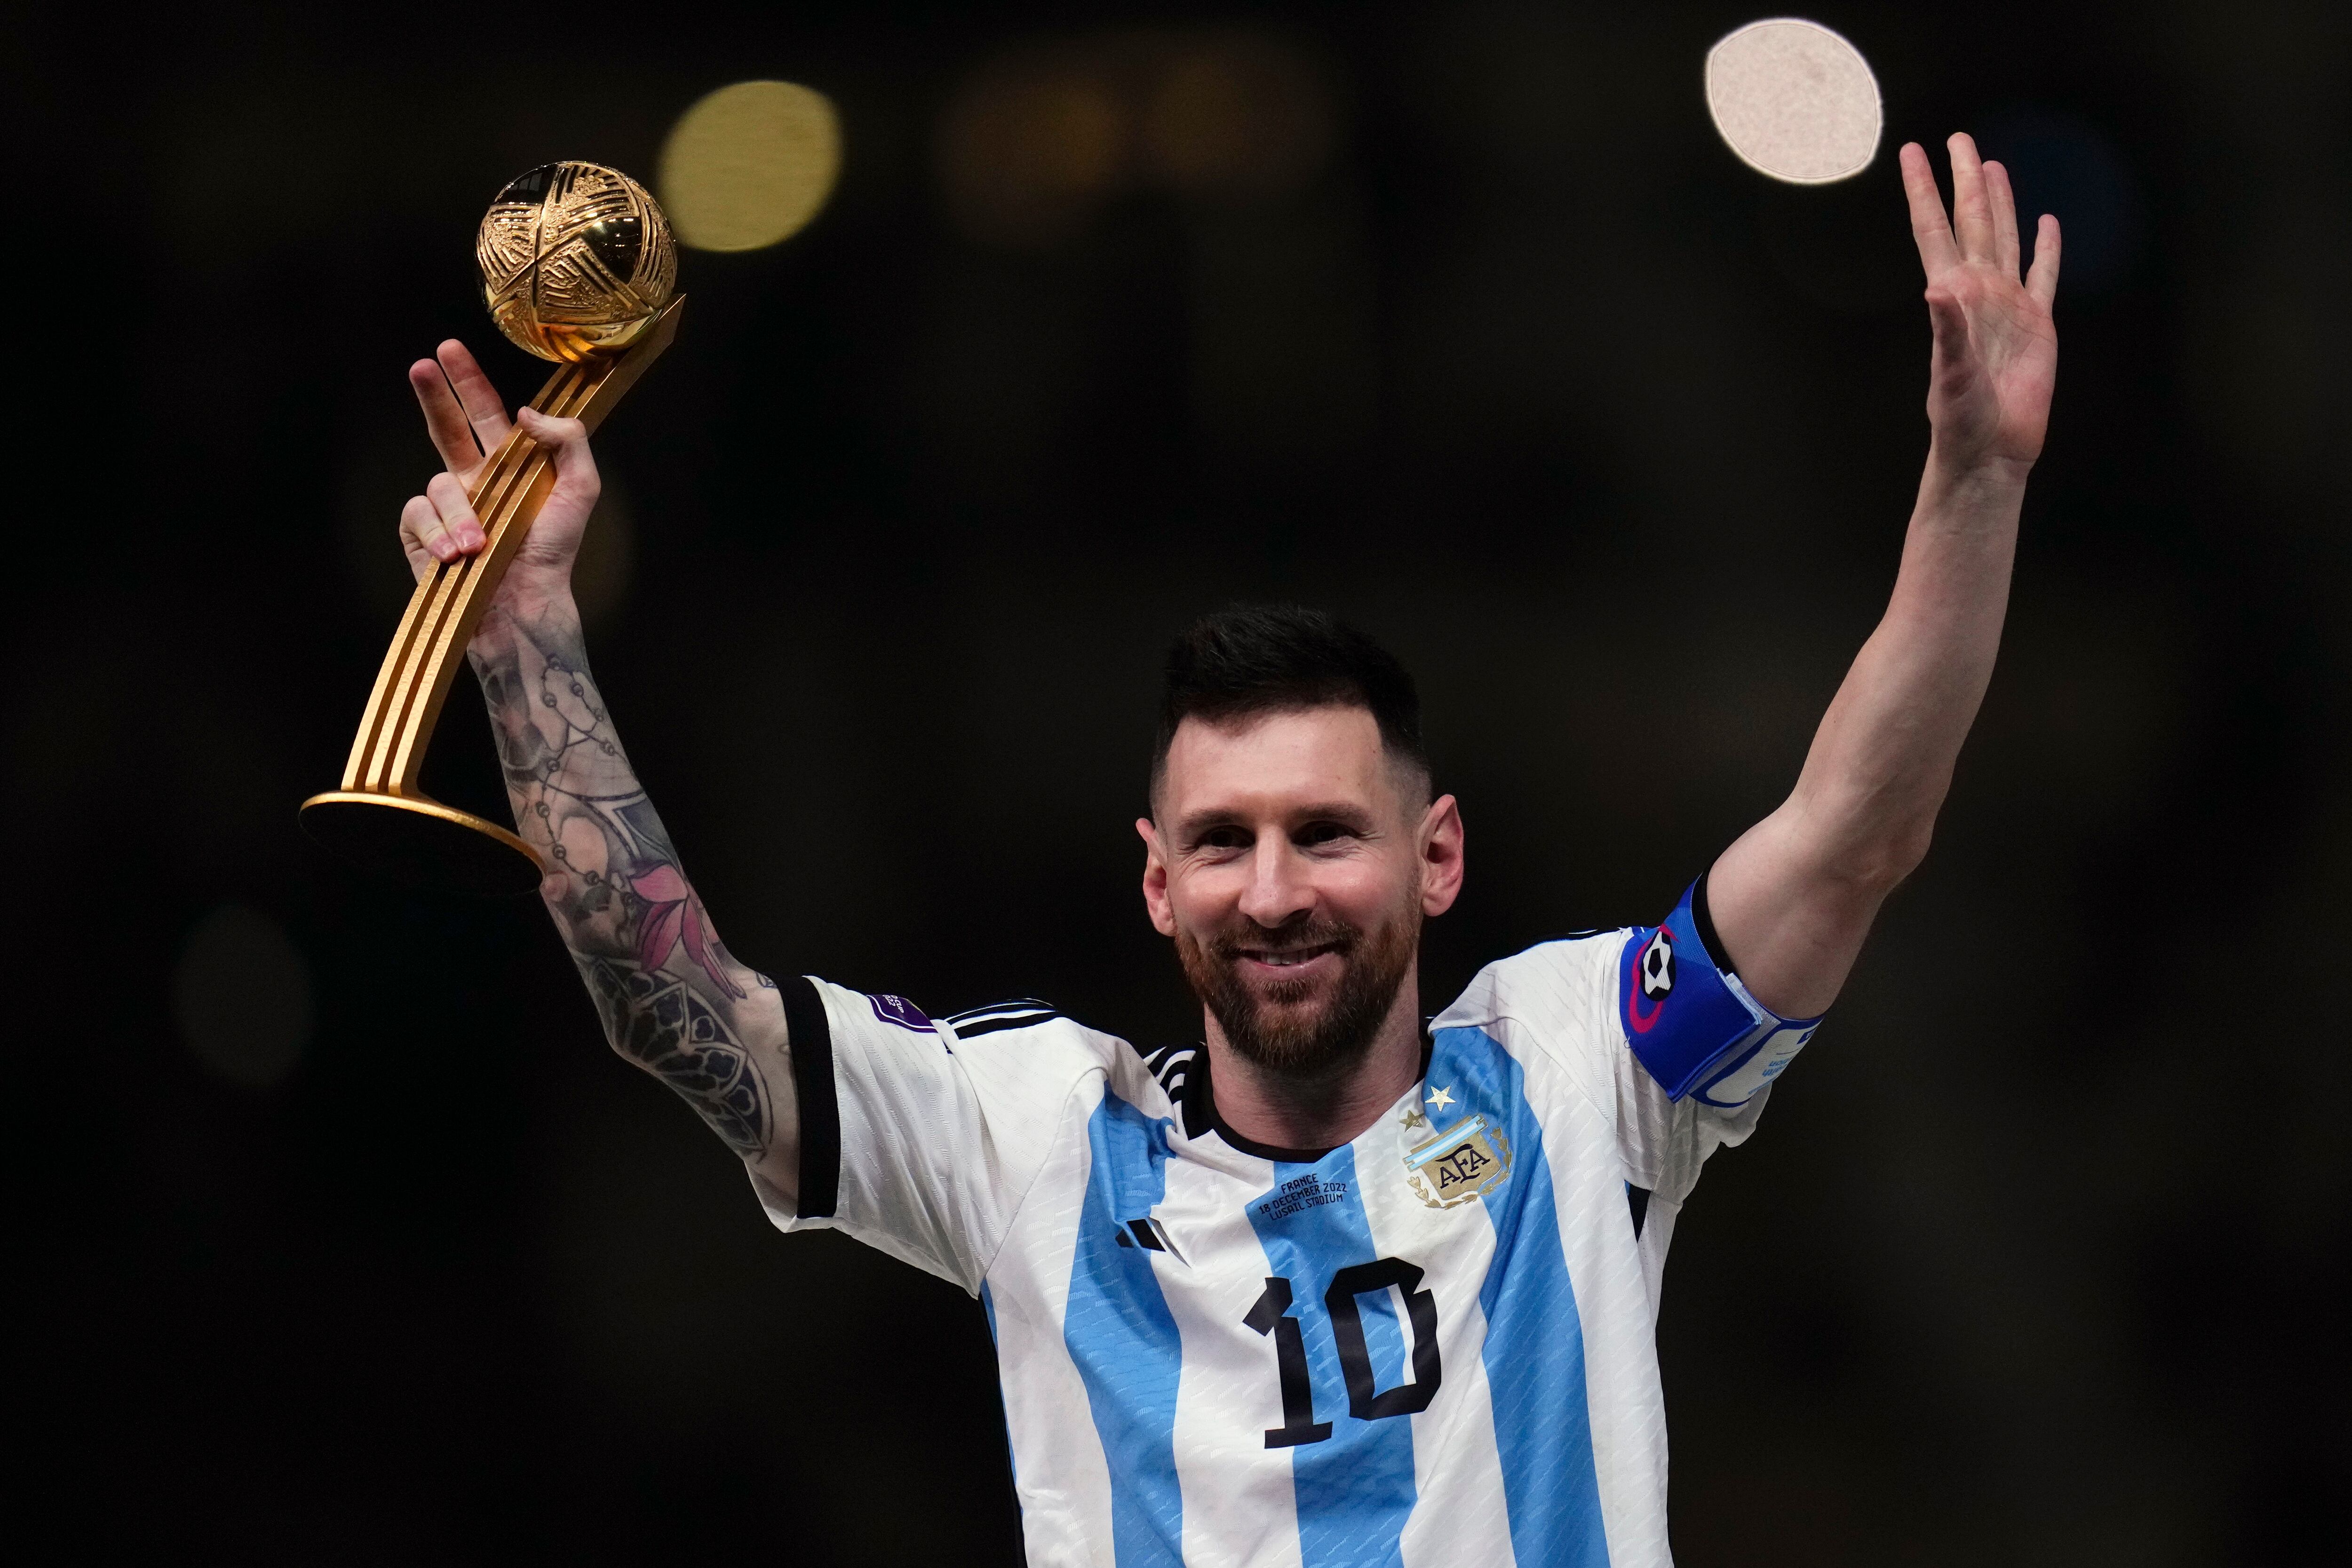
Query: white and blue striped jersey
<point>1433,1345</point>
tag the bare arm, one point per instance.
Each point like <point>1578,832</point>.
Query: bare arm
<point>673,1000</point>
<point>1794,897</point>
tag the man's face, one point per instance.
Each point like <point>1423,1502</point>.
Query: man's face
<point>1292,862</point>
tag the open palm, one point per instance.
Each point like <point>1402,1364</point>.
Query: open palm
<point>1996,355</point>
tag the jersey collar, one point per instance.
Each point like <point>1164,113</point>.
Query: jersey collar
<point>1199,1110</point>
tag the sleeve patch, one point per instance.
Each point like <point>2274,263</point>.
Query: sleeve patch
<point>899,1011</point>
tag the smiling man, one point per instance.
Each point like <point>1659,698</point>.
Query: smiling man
<point>1328,1287</point>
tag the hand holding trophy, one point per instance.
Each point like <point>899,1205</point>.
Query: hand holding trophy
<point>577,267</point>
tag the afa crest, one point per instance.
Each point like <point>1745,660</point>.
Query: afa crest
<point>1468,1160</point>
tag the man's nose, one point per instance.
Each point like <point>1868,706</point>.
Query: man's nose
<point>1278,891</point>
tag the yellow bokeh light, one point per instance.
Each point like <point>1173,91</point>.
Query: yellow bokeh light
<point>1039,137</point>
<point>1238,116</point>
<point>749,164</point>
<point>1027,143</point>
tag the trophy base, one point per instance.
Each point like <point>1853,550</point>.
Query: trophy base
<point>423,842</point>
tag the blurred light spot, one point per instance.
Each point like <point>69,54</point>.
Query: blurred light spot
<point>241,995</point>
<point>749,164</point>
<point>2058,163</point>
<point>1036,138</point>
<point>1025,146</point>
<point>1237,117</point>
<point>1794,100</point>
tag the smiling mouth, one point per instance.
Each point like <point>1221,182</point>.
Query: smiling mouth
<point>1288,958</point>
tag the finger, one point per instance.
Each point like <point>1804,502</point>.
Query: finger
<point>456,514</point>
<point>485,409</point>
<point>2004,217</point>
<point>566,441</point>
<point>444,421</point>
<point>420,523</point>
<point>1971,211</point>
<point>2041,282</point>
<point>1929,229</point>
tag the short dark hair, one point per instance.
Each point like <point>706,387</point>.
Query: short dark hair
<point>1247,659</point>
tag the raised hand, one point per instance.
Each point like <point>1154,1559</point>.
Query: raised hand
<point>467,422</point>
<point>1996,355</point>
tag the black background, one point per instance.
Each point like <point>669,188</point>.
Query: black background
<point>2040,1255</point>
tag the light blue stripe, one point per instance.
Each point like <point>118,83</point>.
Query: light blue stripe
<point>1355,1489</point>
<point>1011,1466</point>
<point>1123,1339</point>
<point>1535,1344</point>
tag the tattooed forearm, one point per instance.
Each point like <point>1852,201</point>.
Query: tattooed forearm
<point>673,1000</point>
<point>662,1025</point>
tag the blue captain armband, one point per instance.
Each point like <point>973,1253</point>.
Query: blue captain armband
<point>1690,1021</point>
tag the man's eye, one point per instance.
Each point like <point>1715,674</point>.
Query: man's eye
<point>1315,833</point>
<point>1224,839</point>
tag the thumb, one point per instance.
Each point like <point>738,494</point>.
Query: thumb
<point>566,444</point>
<point>555,535</point>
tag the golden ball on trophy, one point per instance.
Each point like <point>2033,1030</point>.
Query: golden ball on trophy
<point>576,260</point>
<point>577,267</point>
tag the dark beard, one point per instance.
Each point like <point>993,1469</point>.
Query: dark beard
<point>1305,1047</point>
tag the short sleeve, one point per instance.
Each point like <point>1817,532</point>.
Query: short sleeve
<point>1561,999</point>
<point>913,1140</point>
<point>1664,1140</point>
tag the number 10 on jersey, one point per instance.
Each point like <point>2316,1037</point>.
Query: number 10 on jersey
<point>1366,1400</point>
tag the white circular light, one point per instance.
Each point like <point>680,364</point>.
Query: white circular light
<point>1794,100</point>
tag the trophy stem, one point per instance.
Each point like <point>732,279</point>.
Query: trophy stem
<point>379,816</point>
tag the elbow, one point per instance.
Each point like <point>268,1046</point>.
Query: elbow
<point>1868,858</point>
<point>1867,840</point>
<point>1878,867</point>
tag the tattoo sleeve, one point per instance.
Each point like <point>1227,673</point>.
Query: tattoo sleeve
<point>672,999</point>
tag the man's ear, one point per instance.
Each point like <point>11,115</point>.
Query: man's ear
<point>1155,879</point>
<point>1441,856</point>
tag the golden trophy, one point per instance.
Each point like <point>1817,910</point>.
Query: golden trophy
<point>577,267</point>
